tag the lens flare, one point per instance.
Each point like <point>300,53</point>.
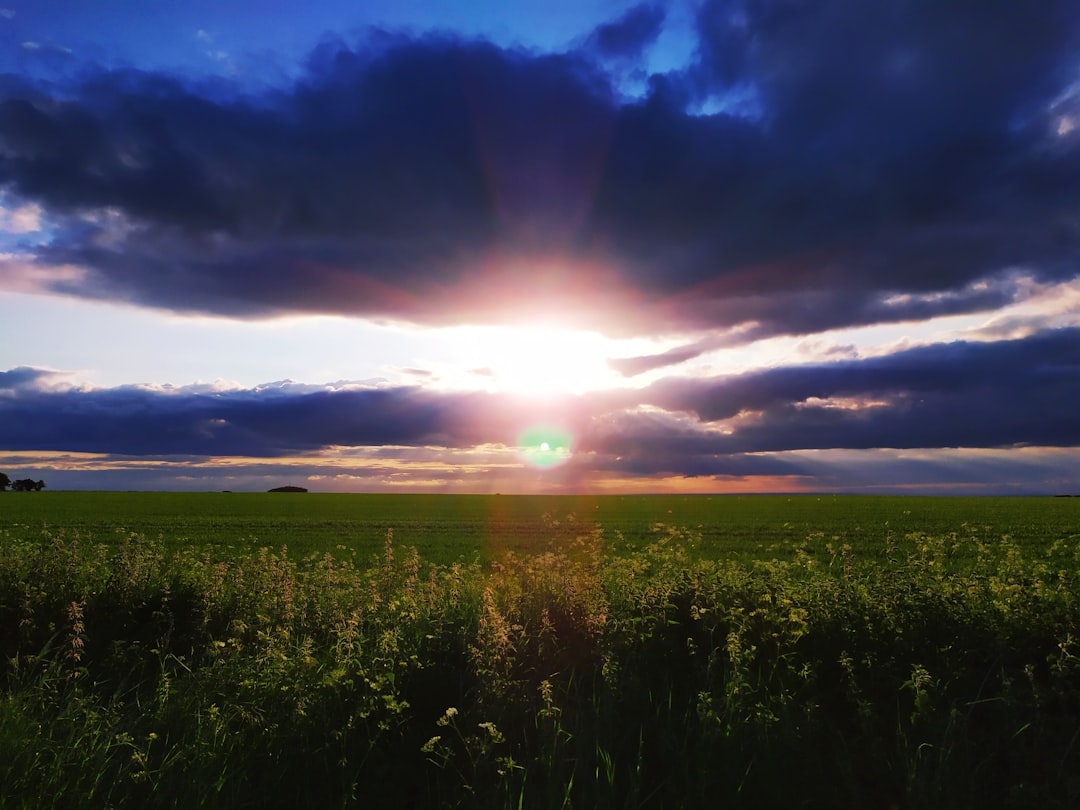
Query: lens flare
<point>544,446</point>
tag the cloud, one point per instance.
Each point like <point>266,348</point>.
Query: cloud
<point>271,420</point>
<point>843,70</point>
<point>20,220</point>
<point>953,395</point>
<point>628,36</point>
<point>904,165</point>
<point>962,395</point>
<point>993,417</point>
<point>24,377</point>
<point>632,366</point>
<point>47,51</point>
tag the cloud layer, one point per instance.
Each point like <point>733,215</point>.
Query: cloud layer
<point>1006,394</point>
<point>861,165</point>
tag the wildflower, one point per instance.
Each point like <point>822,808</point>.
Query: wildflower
<point>491,729</point>
<point>429,746</point>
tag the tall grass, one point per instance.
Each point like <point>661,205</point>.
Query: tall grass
<point>935,671</point>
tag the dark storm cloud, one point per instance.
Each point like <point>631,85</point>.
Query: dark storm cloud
<point>655,444</point>
<point>267,421</point>
<point>891,78</point>
<point>903,162</point>
<point>953,395</point>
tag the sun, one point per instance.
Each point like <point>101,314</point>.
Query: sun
<point>541,368</point>
<point>532,360</point>
<point>538,360</point>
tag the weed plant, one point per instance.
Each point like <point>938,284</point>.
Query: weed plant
<point>934,671</point>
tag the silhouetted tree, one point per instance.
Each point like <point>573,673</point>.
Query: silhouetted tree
<point>27,485</point>
<point>5,482</point>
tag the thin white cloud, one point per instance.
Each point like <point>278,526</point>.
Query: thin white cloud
<point>218,55</point>
<point>34,46</point>
<point>7,13</point>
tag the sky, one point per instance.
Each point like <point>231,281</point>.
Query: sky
<point>571,246</point>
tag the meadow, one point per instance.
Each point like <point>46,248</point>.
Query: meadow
<point>256,650</point>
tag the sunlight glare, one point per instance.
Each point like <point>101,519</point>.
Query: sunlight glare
<point>538,360</point>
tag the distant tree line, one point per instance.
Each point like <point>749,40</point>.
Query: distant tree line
<point>21,485</point>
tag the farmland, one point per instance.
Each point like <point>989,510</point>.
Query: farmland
<point>463,527</point>
<point>230,650</point>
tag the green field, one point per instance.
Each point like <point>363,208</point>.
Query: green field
<point>445,528</point>
<point>265,650</point>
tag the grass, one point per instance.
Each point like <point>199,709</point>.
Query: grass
<point>449,528</point>
<point>834,666</point>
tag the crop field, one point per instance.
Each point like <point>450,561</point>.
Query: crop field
<point>282,650</point>
<point>449,528</point>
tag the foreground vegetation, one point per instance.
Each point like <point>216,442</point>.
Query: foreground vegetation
<point>926,670</point>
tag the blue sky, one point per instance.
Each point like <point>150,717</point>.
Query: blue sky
<point>701,246</point>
